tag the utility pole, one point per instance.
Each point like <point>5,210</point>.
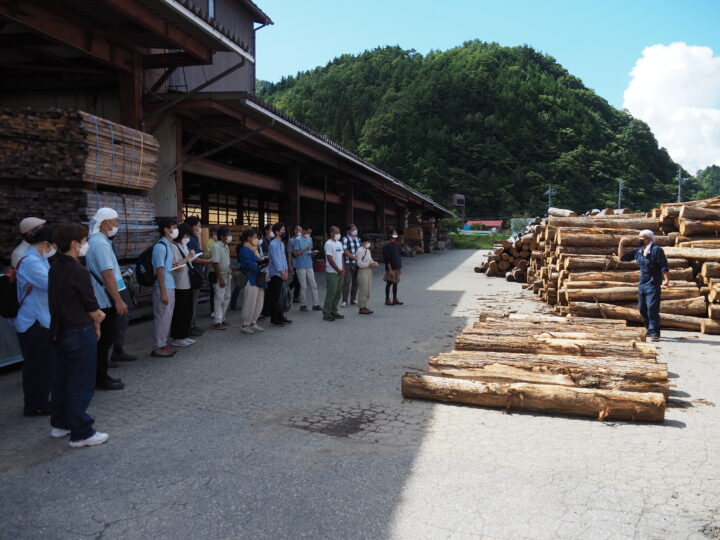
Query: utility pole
<point>550,192</point>
<point>681,181</point>
<point>621,185</point>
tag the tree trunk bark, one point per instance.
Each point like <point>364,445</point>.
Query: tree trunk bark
<point>606,222</point>
<point>625,294</point>
<point>602,404</point>
<point>629,276</point>
<point>699,213</point>
<point>690,227</point>
<point>693,253</point>
<point>667,320</point>
<point>590,262</point>
<point>560,212</point>
<point>694,307</point>
<point>603,240</point>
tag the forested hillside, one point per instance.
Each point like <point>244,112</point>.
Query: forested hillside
<point>497,124</point>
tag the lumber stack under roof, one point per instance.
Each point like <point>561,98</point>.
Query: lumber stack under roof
<point>563,365</point>
<point>575,267</point>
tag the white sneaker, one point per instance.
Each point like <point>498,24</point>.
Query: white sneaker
<point>258,328</point>
<point>247,330</point>
<point>180,343</point>
<point>344,304</point>
<point>58,433</point>
<point>95,440</point>
<point>191,341</point>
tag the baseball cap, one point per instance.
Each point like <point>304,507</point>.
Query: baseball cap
<point>30,223</point>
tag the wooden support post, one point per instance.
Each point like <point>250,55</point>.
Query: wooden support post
<point>349,198</point>
<point>179,171</point>
<point>293,190</point>
<point>130,94</point>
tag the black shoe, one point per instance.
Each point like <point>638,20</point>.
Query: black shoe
<point>40,411</point>
<point>338,316</point>
<point>328,318</point>
<point>296,300</point>
<point>303,308</point>
<point>113,365</point>
<point>286,321</point>
<point>110,383</point>
<point>196,332</point>
<point>277,323</point>
<point>317,308</point>
<point>122,356</point>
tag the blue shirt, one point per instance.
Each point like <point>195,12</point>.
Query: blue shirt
<point>248,264</point>
<point>651,267</point>
<point>34,270</point>
<point>162,256</point>
<point>278,259</point>
<point>101,257</point>
<point>298,244</point>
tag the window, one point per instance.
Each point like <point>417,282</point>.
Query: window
<point>250,212</point>
<point>211,9</point>
<point>192,206</point>
<point>222,209</point>
<point>272,212</point>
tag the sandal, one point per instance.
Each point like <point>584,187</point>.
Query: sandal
<point>159,353</point>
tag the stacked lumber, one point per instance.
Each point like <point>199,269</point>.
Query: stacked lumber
<point>59,145</point>
<point>575,267</point>
<point>564,365</point>
<point>511,258</point>
<point>62,205</point>
<point>429,232</point>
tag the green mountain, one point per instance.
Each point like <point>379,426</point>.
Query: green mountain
<point>498,124</point>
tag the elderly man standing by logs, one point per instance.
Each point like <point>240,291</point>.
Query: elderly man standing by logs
<point>654,275</point>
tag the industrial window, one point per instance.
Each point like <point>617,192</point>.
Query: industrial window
<point>192,206</point>
<point>222,209</point>
<point>251,212</point>
<point>272,212</point>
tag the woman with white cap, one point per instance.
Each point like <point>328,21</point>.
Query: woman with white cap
<point>28,227</point>
<point>654,275</point>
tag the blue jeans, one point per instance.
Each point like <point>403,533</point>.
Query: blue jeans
<point>37,369</point>
<point>74,386</point>
<point>649,306</point>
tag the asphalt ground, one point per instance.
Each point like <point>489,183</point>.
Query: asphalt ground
<point>302,432</point>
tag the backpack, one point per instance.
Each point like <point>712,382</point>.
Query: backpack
<point>9,303</point>
<point>144,271</point>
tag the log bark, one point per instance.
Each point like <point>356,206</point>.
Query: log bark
<point>699,213</point>
<point>693,253</point>
<point>690,227</point>
<point>624,294</point>
<point>610,262</point>
<point>695,307</point>
<point>614,222</point>
<point>541,319</point>
<point>561,212</point>
<point>588,327</point>
<point>552,345</point>
<point>713,311</point>
<point>667,320</point>
<point>602,404</point>
<point>629,276</point>
<point>605,373</point>
<point>710,270</point>
<point>710,326</point>
<point>603,240</point>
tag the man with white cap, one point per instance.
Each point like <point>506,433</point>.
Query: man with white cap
<point>107,284</point>
<point>28,227</point>
<point>654,275</point>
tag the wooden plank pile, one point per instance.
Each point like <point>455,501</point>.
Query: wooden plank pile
<point>575,268</point>
<point>511,258</point>
<point>64,204</point>
<point>59,145</point>
<point>563,365</point>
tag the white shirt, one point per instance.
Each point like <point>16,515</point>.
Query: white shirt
<point>363,257</point>
<point>18,253</point>
<point>335,250</point>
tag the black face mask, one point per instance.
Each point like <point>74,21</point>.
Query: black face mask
<point>641,242</point>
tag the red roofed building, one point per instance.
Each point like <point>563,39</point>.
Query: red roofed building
<point>487,223</point>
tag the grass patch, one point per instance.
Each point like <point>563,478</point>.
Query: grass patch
<point>476,241</point>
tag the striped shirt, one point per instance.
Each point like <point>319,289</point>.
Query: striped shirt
<point>351,244</point>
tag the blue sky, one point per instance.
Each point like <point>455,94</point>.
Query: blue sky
<point>597,41</point>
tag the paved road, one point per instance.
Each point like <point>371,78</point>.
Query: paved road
<point>302,432</point>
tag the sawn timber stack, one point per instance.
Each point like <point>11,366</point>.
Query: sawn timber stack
<point>571,365</point>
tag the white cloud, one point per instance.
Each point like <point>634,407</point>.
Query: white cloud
<point>675,89</point>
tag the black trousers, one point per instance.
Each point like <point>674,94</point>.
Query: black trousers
<point>124,321</point>
<point>38,352</point>
<point>182,314</point>
<point>105,343</point>
<point>273,297</point>
<point>295,286</point>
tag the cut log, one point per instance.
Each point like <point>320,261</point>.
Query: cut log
<point>552,345</point>
<point>601,404</point>
<point>693,254</point>
<point>690,227</point>
<point>695,307</point>
<point>710,270</point>
<point>504,326</point>
<point>561,212</point>
<point>629,276</point>
<point>603,240</point>
<point>713,311</point>
<point>699,213</point>
<point>710,326</point>
<point>624,294</point>
<point>605,373</point>
<point>635,223</point>
<point>611,311</point>
<point>610,262</point>
<point>541,319</point>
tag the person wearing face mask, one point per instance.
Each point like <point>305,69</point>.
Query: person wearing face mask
<point>182,312</point>
<point>32,323</point>
<point>222,288</point>
<point>365,264</point>
<point>194,244</point>
<point>107,284</point>
<point>335,270</point>
<point>278,273</point>
<point>28,226</point>
<point>302,250</point>
<point>76,320</point>
<point>252,264</point>
<point>264,247</point>
<point>351,243</point>
<point>654,276</point>
<point>393,268</point>
<point>164,289</point>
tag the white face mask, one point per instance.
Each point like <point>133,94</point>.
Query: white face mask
<point>50,253</point>
<point>271,235</point>
<point>336,237</point>
<point>259,242</point>
<point>353,233</point>
<point>299,235</point>
<point>228,238</point>
<point>367,245</point>
<point>174,234</point>
<point>185,241</point>
<point>83,249</point>
<point>307,237</point>
<point>198,232</point>
<point>394,235</point>
<point>112,232</point>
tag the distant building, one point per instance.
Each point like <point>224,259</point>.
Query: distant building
<point>492,224</point>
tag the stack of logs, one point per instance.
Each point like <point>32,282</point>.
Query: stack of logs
<point>512,258</point>
<point>563,365</point>
<point>574,267</point>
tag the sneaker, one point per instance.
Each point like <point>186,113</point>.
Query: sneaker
<point>181,343</point>
<point>328,318</point>
<point>95,440</point>
<point>338,316</point>
<point>317,308</point>
<point>196,332</point>
<point>58,433</point>
<point>303,308</point>
<point>191,340</point>
<point>354,303</point>
<point>344,304</point>
<point>257,328</point>
<point>247,330</point>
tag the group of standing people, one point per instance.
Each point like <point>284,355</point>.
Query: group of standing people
<point>73,315</point>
